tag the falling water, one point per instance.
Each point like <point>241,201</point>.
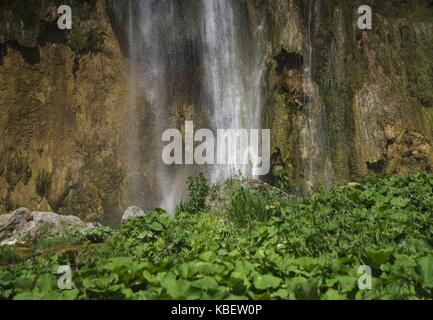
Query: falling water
<point>187,53</point>
<point>160,75</point>
<point>233,63</point>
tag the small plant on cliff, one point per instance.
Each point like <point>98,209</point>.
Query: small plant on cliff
<point>283,180</point>
<point>198,190</point>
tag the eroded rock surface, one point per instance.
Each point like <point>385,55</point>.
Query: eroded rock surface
<point>21,225</point>
<point>62,111</point>
<point>341,103</point>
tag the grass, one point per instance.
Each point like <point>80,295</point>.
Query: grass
<point>245,207</point>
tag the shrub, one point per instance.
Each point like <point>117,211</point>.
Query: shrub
<point>98,235</point>
<point>245,206</point>
<point>8,255</point>
<point>284,182</point>
<point>198,190</point>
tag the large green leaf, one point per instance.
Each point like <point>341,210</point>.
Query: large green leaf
<point>307,290</point>
<point>267,281</point>
<point>425,265</point>
<point>334,295</point>
<point>207,283</point>
<point>176,289</point>
<point>156,226</point>
<point>400,202</point>
<point>378,257</point>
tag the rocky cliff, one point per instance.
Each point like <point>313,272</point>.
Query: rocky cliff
<point>345,103</point>
<point>62,110</point>
<point>341,103</point>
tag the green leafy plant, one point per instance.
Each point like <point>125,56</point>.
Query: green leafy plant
<point>8,255</point>
<point>308,248</point>
<point>198,190</point>
<point>98,235</point>
<point>283,181</point>
<point>246,206</point>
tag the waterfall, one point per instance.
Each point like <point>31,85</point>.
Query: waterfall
<point>157,69</point>
<point>194,60</point>
<point>233,68</point>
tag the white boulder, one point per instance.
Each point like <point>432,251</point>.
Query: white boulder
<point>132,212</point>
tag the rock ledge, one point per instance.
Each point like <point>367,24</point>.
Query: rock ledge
<point>22,224</point>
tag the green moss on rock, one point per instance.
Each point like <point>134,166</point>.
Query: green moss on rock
<point>416,52</point>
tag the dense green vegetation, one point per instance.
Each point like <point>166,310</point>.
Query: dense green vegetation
<point>259,245</point>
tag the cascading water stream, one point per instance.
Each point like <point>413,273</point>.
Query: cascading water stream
<point>185,53</point>
<point>148,47</point>
<point>221,62</point>
<point>233,63</point>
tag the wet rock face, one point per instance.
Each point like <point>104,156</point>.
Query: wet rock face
<point>62,108</point>
<point>28,26</point>
<point>356,103</point>
<point>370,94</point>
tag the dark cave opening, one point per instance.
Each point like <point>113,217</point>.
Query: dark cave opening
<point>288,61</point>
<point>377,167</point>
<point>30,55</point>
<point>50,33</point>
<point>3,52</point>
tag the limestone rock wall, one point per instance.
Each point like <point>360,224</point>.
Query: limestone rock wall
<point>341,103</point>
<point>368,106</point>
<point>63,103</point>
